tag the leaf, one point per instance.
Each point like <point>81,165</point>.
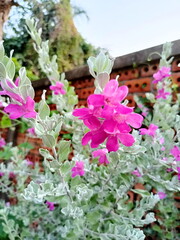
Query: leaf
<point>1,50</point>
<point>142,192</point>
<point>2,72</point>
<point>93,217</point>
<point>5,122</point>
<point>64,149</point>
<point>26,145</point>
<point>45,153</point>
<point>43,109</point>
<point>10,68</point>
<point>48,140</point>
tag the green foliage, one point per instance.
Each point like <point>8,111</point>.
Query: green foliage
<point>5,122</point>
<point>97,205</point>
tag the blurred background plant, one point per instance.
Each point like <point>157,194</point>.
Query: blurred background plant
<point>55,17</point>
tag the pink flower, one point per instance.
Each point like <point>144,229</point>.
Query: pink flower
<point>78,169</point>
<point>58,88</point>
<point>162,195</point>
<point>50,205</point>
<point>25,110</point>
<point>145,112</point>
<point>163,149</point>
<point>28,162</point>
<point>8,204</point>
<point>169,170</point>
<point>12,175</point>
<point>175,151</point>
<point>108,119</point>
<point>31,131</point>
<point>1,174</point>
<point>101,153</point>
<point>151,131</point>
<point>136,173</point>
<point>114,94</point>
<point>162,94</point>
<point>162,73</point>
<point>161,140</point>
<point>178,169</point>
<point>2,142</point>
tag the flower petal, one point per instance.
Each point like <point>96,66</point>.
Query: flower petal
<point>126,139</point>
<point>112,144</point>
<point>135,120</point>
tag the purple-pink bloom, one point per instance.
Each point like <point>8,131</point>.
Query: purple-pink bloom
<point>31,131</point>
<point>58,88</point>
<point>78,169</point>
<point>108,119</point>
<point>28,162</point>
<point>161,140</point>
<point>8,204</point>
<point>163,72</point>
<point>178,169</point>
<point>25,110</point>
<point>175,151</point>
<point>12,175</point>
<point>2,174</point>
<point>136,173</point>
<point>101,153</point>
<point>162,195</point>
<point>162,94</point>
<point>2,142</point>
<point>163,148</point>
<point>169,170</point>
<point>151,131</point>
<point>50,205</point>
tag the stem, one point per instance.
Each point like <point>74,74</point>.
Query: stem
<point>60,173</point>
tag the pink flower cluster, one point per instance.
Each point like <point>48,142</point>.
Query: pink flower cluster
<point>162,195</point>
<point>31,131</point>
<point>108,119</point>
<point>23,107</point>
<point>101,153</point>
<point>50,205</point>
<point>58,88</point>
<point>158,77</point>
<point>175,151</point>
<point>136,173</point>
<point>162,94</point>
<point>78,169</point>
<point>2,142</point>
<point>161,74</point>
<point>151,131</point>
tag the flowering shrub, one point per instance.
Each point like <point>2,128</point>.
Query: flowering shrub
<point>88,197</point>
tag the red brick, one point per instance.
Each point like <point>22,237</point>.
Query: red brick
<point>130,98</point>
<point>176,78</point>
<point>128,74</point>
<point>175,67</point>
<point>52,106</point>
<point>85,92</point>
<point>140,85</point>
<point>148,70</point>
<point>82,83</point>
<point>82,103</point>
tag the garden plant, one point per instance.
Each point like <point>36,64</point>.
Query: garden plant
<point>83,190</point>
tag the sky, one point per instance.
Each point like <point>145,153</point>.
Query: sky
<point>126,26</point>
